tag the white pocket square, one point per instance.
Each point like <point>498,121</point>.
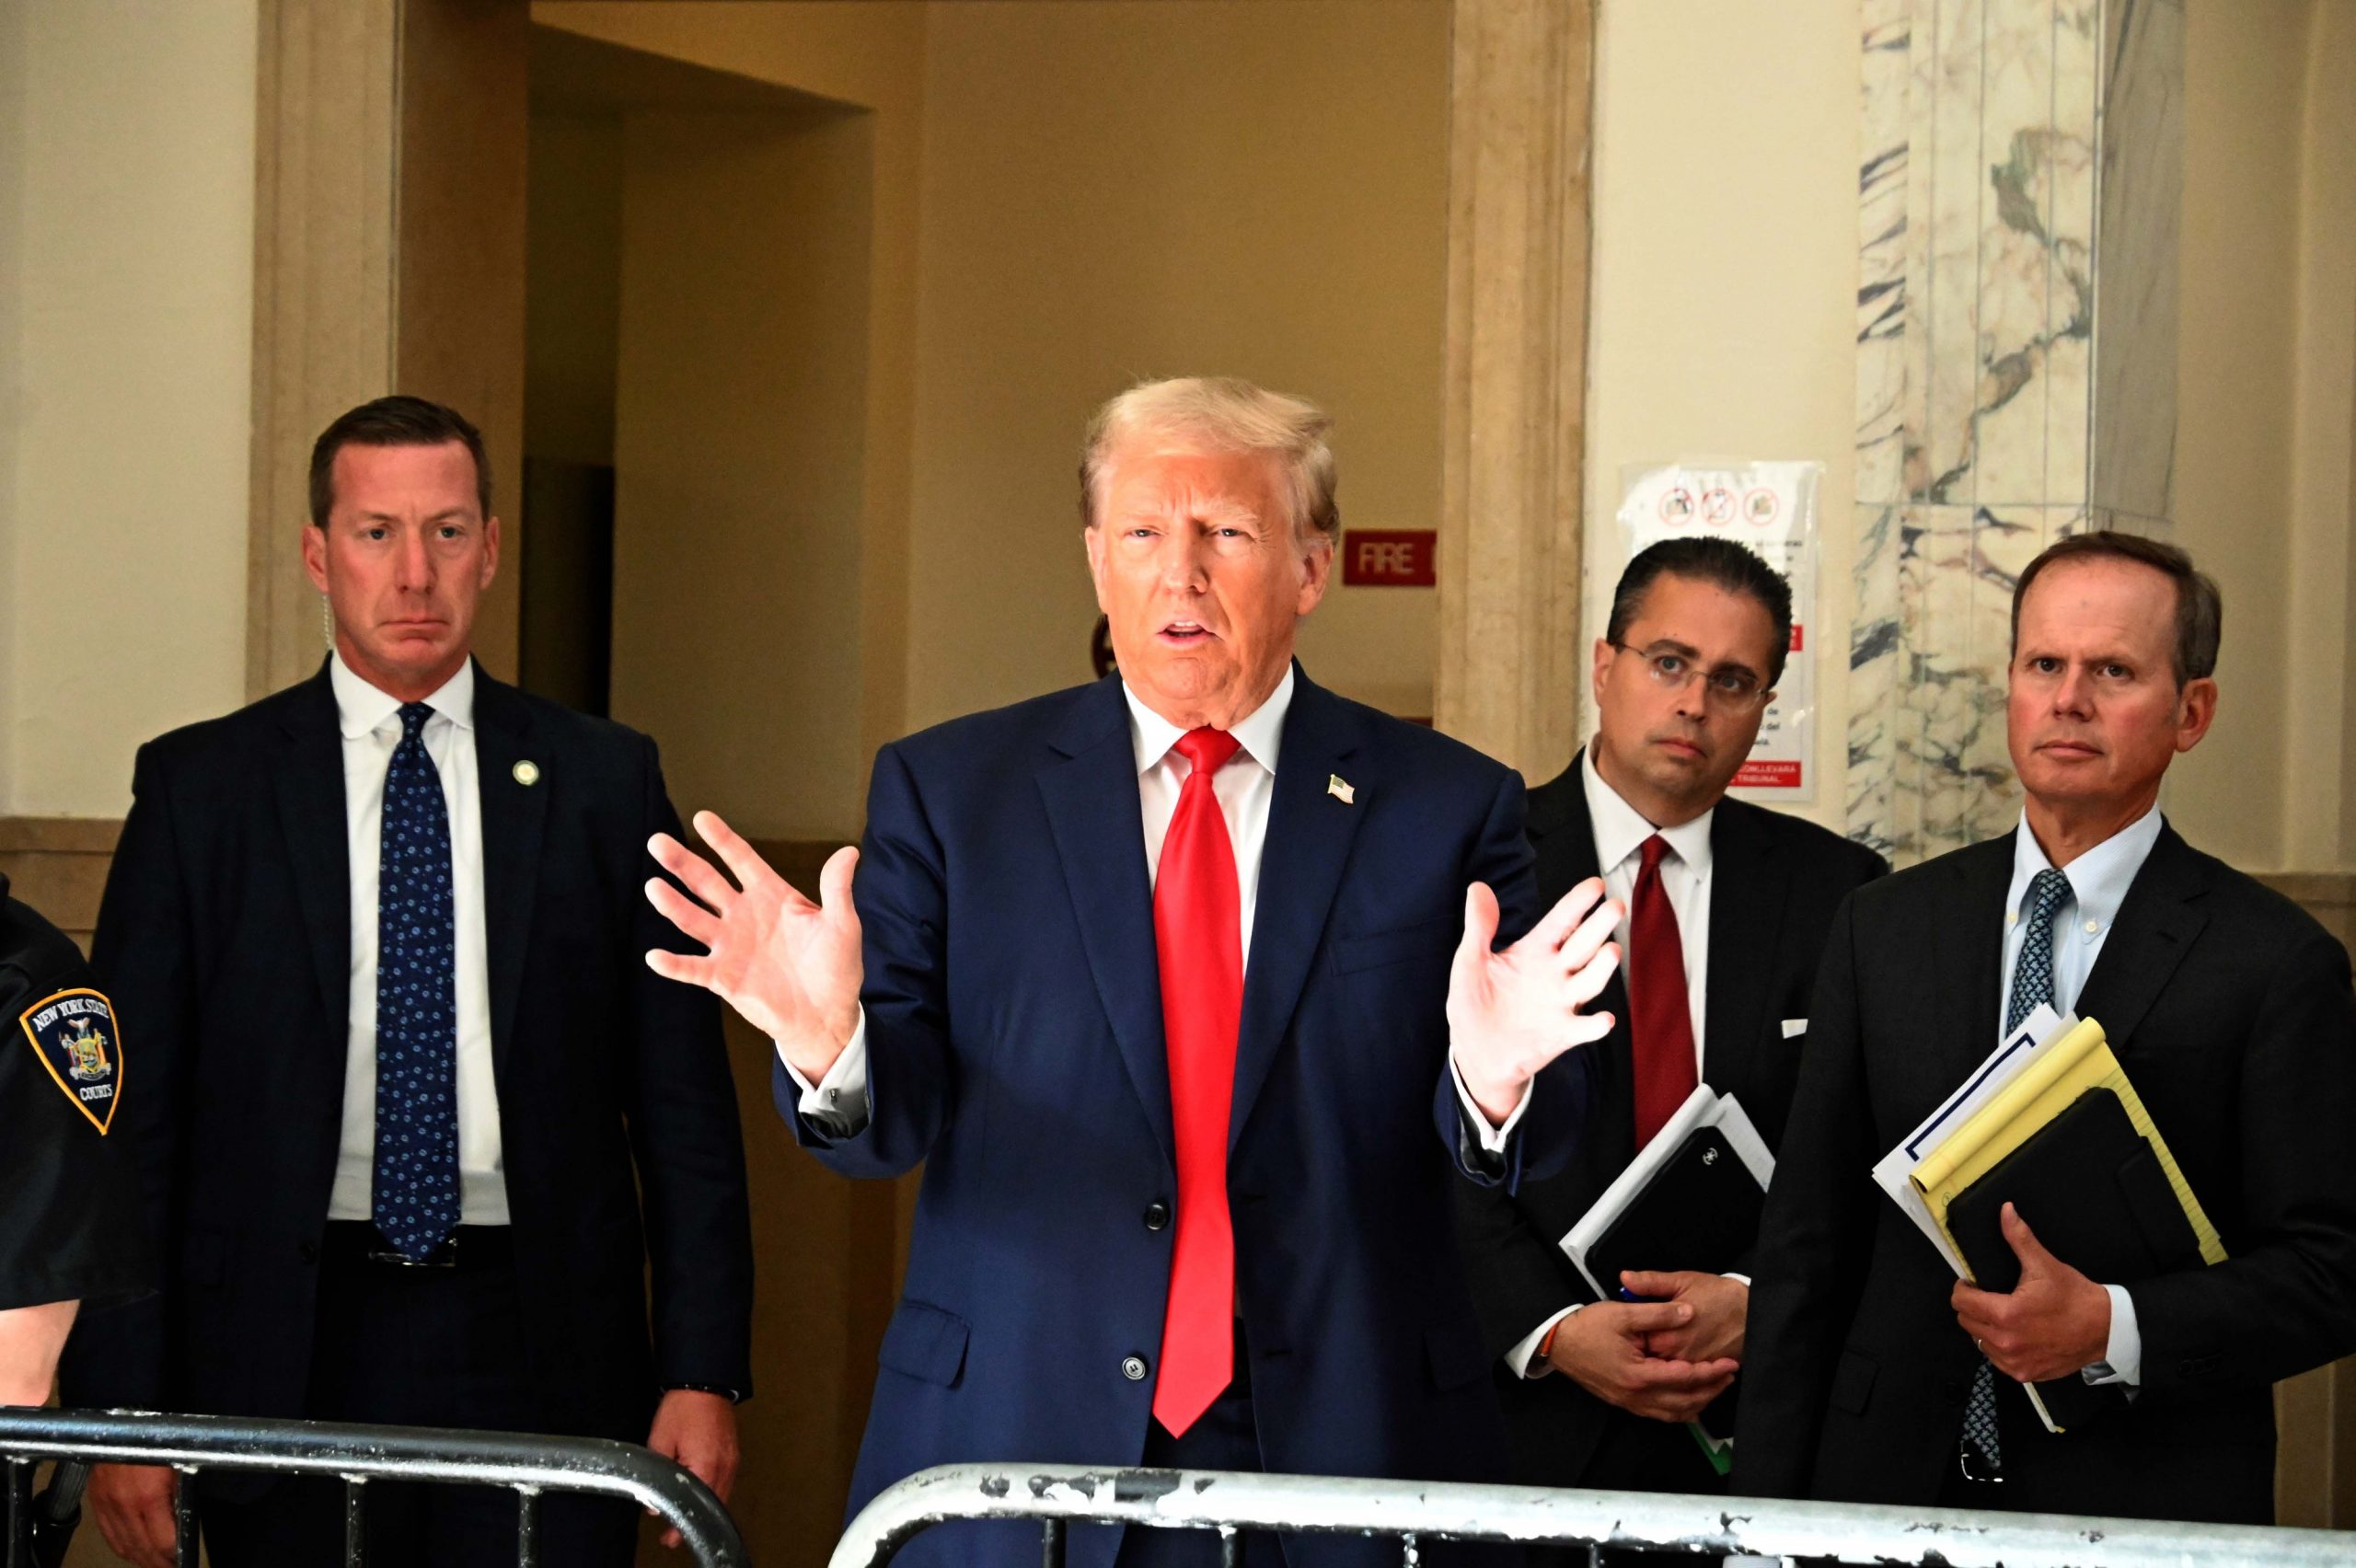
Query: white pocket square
<point>1793,1026</point>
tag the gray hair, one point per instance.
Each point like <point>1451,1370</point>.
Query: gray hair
<point>1223,414</point>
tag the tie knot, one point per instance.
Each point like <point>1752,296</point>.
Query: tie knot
<point>413,718</point>
<point>1207,749</point>
<point>1654,848</point>
<point>2048,892</point>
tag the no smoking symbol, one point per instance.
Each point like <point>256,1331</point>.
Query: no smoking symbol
<point>1717,506</point>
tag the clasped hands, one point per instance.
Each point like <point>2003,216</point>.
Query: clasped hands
<point>792,968</point>
<point>2053,1322</point>
<point>1663,1358</point>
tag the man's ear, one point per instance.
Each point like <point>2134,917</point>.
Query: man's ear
<point>1316,574</point>
<point>315,555</point>
<point>2196,709</point>
<point>1092,537</point>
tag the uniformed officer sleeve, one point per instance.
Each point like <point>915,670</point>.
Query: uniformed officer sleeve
<point>70,1225</point>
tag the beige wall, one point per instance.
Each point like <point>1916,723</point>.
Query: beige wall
<point>126,288</point>
<point>1179,187</point>
<point>1725,275</point>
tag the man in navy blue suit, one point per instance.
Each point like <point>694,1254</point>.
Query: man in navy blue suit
<point>1167,981</point>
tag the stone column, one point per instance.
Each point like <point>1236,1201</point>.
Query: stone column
<point>1516,375</point>
<point>2022,176</point>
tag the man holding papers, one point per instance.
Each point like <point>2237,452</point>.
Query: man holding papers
<point>1729,905</point>
<point>1879,1377</point>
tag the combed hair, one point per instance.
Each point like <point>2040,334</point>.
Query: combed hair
<point>2200,608</point>
<point>1221,413</point>
<point>1721,563</point>
<point>393,421</point>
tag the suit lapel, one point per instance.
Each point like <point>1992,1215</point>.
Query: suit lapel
<point>513,814</point>
<point>1971,969</point>
<point>1748,881</point>
<point>2157,922</point>
<point>311,811</point>
<point>1309,832</point>
<point>1091,790</point>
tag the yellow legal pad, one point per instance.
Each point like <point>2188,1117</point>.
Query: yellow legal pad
<point>2080,1061</point>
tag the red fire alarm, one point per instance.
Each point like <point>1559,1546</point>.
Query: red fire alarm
<point>1390,558</point>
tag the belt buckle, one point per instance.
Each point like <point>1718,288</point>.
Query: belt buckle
<point>445,1256</point>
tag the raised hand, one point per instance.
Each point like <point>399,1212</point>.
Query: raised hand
<point>2050,1324</point>
<point>791,967</point>
<point>1510,1014</point>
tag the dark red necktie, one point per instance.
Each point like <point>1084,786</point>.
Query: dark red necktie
<point>1660,1019</point>
<point>1198,931</point>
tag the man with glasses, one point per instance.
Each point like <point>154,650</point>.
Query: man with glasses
<point>1729,905</point>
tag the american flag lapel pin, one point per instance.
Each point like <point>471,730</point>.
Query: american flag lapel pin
<point>1339,788</point>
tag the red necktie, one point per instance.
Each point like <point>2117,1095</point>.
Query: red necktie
<point>1198,931</point>
<point>1660,1019</point>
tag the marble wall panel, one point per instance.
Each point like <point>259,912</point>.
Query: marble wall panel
<point>2142,197</point>
<point>1981,336</point>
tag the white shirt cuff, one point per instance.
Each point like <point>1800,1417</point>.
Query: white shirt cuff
<point>1523,1359</point>
<point>2122,1355</point>
<point>1493,1139</point>
<point>839,1100</point>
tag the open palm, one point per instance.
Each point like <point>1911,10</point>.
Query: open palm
<point>790,967</point>
<point>1510,1014</point>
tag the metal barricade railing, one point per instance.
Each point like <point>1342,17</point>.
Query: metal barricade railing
<point>1413,1512</point>
<point>527,1465</point>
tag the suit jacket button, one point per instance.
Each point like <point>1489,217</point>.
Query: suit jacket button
<point>1133,1367</point>
<point>308,1251</point>
<point>1157,1215</point>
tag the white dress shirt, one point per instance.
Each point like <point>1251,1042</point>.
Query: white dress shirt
<point>370,719</point>
<point>1620,833</point>
<point>1246,788</point>
<point>2098,882</point>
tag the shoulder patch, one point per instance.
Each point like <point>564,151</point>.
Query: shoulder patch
<point>73,1035</point>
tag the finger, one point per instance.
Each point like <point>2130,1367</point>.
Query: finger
<point>692,919</point>
<point>2025,1246</point>
<point>692,870</point>
<point>1654,1317</point>
<point>1558,924</point>
<point>1589,939</point>
<point>835,880</point>
<point>671,1539</point>
<point>685,967</point>
<point>1645,1282</point>
<point>1661,1375</point>
<point>744,861</point>
<point>1587,983</point>
<point>1480,925</point>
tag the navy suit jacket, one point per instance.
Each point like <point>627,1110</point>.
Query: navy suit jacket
<point>1015,1048</point>
<point>225,932</point>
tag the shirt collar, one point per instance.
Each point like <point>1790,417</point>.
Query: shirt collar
<point>361,708</point>
<point>1620,829</point>
<point>1258,733</point>
<point>2099,879</point>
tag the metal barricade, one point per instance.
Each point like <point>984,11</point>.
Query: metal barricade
<point>530,1466</point>
<point>1415,1513</point>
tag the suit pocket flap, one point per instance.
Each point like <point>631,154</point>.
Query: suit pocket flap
<point>1455,1356</point>
<point>926,1343</point>
<point>1424,940</point>
<point>1852,1382</point>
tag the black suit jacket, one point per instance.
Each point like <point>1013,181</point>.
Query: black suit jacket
<point>2229,1009</point>
<point>1775,882</point>
<point>225,932</point>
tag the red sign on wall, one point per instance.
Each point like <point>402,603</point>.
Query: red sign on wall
<point>1394,557</point>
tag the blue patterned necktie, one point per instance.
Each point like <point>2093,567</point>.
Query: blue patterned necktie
<point>2032,988</point>
<point>416,1176</point>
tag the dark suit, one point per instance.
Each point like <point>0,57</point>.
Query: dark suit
<point>1774,882</point>
<point>2229,1009</point>
<point>225,931</point>
<point>1015,1047</point>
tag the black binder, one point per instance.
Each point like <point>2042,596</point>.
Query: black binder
<point>1700,1212</point>
<point>2094,1190</point>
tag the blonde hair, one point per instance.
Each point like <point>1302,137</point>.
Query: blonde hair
<point>1222,413</point>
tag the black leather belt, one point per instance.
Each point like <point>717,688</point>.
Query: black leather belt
<point>467,1247</point>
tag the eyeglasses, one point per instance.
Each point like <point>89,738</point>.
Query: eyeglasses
<point>1729,688</point>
